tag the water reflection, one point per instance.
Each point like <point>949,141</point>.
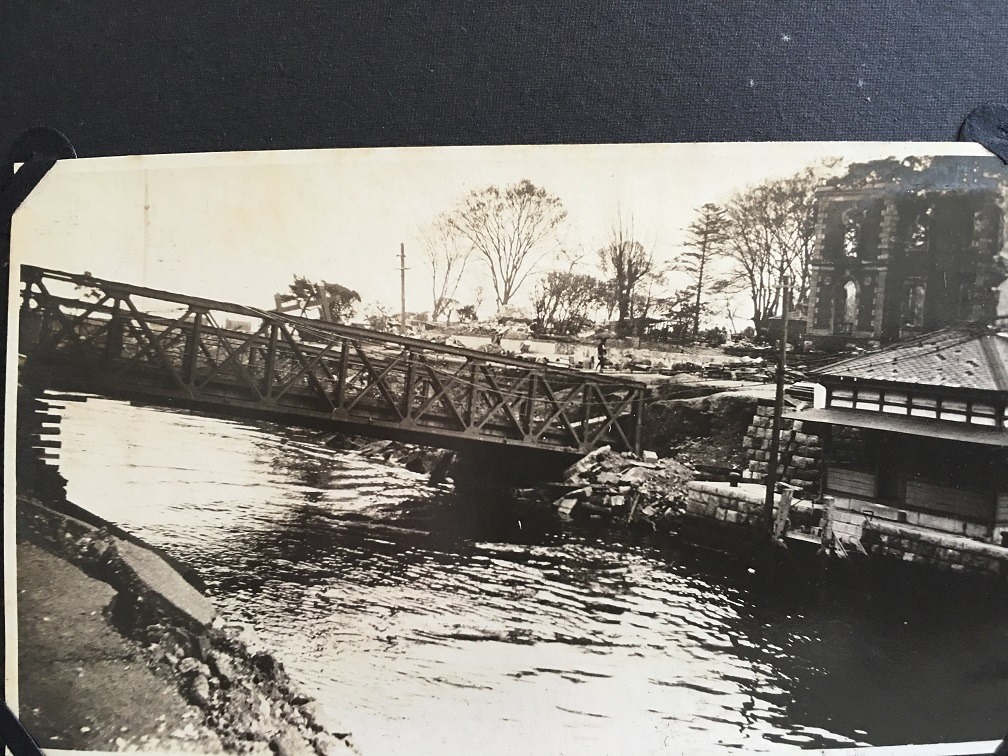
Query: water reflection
<point>429,623</point>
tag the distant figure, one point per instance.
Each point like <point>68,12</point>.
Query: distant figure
<point>602,361</point>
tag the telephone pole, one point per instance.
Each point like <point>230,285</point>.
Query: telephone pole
<point>771,476</point>
<point>402,289</point>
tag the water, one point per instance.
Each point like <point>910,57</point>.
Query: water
<point>430,624</point>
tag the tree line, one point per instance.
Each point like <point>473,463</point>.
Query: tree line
<point>739,249</point>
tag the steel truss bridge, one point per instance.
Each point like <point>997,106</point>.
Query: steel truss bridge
<point>80,333</point>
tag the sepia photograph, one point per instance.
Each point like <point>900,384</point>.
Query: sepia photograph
<point>586,449</point>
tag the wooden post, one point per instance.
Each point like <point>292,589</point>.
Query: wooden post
<point>402,289</point>
<point>114,335</point>
<point>639,410</point>
<point>323,296</point>
<point>771,478</point>
<point>780,520</point>
<point>471,395</point>
<point>585,413</point>
<point>344,365</point>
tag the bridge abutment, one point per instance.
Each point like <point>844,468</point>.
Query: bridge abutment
<point>485,466</point>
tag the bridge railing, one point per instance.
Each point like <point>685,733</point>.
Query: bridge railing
<point>120,339</point>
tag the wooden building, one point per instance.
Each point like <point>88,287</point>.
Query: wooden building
<point>916,434</point>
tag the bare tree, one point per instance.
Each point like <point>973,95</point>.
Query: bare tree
<point>628,262</point>
<point>563,301</point>
<point>446,253</point>
<point>796,199</point>
<point>705,238</point>
<point>771,229</point>
<point>643,301</point>
<point>513,228</point>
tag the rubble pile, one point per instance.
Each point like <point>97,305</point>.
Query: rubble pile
<point>612,487</point>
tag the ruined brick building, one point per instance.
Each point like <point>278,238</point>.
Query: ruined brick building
<point>903,248</point>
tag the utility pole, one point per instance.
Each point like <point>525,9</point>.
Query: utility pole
<point>402,289</point>
<point>771,476</point>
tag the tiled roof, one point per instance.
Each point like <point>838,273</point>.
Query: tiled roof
<point>971,356</point>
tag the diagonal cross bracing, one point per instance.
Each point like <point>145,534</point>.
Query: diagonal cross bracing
<point>377,380</point>
<point>559,412</point>
<point>291,369</point>
<point>441,392</point>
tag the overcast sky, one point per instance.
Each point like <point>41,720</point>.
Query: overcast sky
<point>238,226</point>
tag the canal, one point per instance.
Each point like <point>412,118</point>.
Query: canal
<point>427,623</point>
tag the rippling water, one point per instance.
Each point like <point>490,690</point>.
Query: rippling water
<point>431,624</point>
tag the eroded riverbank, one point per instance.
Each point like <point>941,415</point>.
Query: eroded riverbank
<point>128,633</point>
<point>119,648</point>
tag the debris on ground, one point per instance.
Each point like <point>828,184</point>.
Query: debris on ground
<point>621,488</point>
<point>606,486</point>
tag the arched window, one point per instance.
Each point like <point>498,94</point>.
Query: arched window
<point>914,306</point>
<point>918,237</point>
<point>852,232</point>
<point>850,301</point>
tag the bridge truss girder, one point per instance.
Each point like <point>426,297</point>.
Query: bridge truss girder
<point>103,337</point>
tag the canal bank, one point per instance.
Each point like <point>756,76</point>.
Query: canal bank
<point>78,668</point>
<point>118,650</point>
<point>431,622</point>
<point>107,620</point>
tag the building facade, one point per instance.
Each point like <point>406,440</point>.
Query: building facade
<point>916,435</point>
<point>895,259</point>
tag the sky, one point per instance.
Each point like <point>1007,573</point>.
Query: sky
<point>238,226</point>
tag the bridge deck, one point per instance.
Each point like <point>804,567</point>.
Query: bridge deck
<point>85,334</point>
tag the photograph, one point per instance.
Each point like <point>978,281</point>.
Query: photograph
<point>561,449</point>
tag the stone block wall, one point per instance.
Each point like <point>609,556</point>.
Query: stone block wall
<point>850,515</point>
<point>943,551</point>
<point>873,528</point>
<point>742,505</point>
<point>800,457</point>
<point>943,543</point>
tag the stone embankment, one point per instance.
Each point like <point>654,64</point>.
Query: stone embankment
<point>743,505</point>
<point>800,452</point>
<point>933,549</point>
<point>195,665</point>
<point>246,698</point>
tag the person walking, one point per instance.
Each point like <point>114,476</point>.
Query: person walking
<point>602,361</point>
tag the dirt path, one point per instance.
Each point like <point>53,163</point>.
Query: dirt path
<point>81,684</point>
